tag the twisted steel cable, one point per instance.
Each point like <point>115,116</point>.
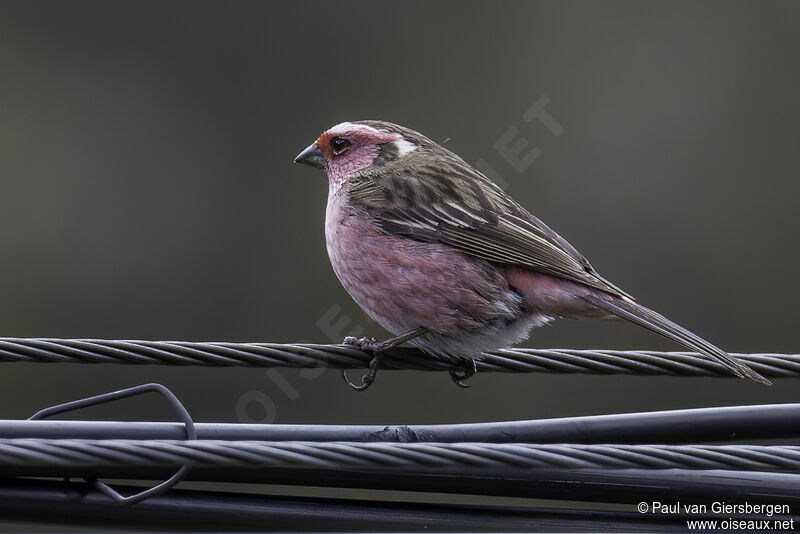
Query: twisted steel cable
<point>224,354</point>
<point>97,454</point>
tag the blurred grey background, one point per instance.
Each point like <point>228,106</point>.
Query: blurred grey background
<point>147,188</point>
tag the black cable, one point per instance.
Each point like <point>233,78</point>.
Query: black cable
<point>202,511</point>
<point>733,423</point>
<point>96,454</point>
<point>45,350</point>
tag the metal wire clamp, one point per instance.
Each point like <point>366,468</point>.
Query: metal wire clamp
<point>191,434</point>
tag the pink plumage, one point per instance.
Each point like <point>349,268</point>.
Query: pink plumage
<point>444,259</point>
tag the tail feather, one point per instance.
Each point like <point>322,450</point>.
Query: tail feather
<point>655,322</point>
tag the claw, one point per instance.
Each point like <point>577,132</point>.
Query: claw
<point>459,377</point>
<point>366,381</point>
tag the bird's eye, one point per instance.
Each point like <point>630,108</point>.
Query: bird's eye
<point>339,145</point>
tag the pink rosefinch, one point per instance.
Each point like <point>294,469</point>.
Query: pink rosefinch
<point>443,258</point>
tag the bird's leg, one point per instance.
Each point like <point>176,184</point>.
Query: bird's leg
<point>458,376</point>
<point>377,349</point>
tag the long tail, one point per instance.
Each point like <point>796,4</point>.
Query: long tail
<point>659,324</point>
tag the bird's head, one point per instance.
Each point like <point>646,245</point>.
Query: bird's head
<point>350,147</point>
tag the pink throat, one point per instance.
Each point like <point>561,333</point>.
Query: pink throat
<point>343,167</point>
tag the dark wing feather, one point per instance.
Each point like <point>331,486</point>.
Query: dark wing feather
<point>454,204</point>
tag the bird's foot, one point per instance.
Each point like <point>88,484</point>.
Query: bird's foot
<point>376,348</point>
<point>364,343</point>
<point>459,376</point>
<point>371,345</point>
<point>367,379</point>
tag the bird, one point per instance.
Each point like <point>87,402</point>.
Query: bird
<point>445,260</point>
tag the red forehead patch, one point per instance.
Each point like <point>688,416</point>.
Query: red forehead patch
<point>356,134</point>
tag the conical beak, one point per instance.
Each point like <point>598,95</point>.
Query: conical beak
<point>311,156</point>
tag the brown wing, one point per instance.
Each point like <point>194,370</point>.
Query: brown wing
<point>454,204</point>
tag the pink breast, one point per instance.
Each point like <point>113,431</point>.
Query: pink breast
<point>404,284</point>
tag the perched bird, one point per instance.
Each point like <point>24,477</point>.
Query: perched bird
<point>444,259</point>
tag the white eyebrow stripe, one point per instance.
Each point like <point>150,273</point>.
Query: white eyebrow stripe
<point>345,127</point>
<point>404,147</point>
